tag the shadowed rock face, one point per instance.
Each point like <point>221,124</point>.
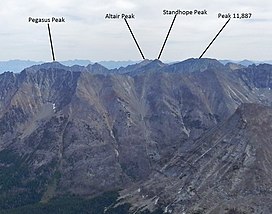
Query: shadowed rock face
<point>88,130</point>
<point>229,167</point>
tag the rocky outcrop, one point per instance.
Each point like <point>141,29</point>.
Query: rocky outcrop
<point>227,169</point>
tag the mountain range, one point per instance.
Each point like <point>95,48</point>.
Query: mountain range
<point>18,65</point>
<point>189,137</point>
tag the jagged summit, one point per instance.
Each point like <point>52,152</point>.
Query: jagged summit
<point>157,62</point>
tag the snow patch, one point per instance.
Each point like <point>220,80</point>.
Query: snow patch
<point>54,106</point>
<point>157,200</point>
<point>186,131</point>
<point>167,210</point>
<point>116,152</point>
<point>112,135</point>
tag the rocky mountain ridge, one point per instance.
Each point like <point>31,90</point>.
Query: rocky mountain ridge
<point>87,130</point>
<point>18,65</point>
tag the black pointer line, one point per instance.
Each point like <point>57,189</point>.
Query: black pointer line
<point>214,38</point>
<point>51,42</point>
<point>134,39</point>
<point>167,36</point>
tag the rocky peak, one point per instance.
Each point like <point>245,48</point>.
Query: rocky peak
<point>141,67</point>
<point>196,65</point>
<point>96,68</point>
<point>49,65</point>
<point>259,76</point>
<point>234,66</point>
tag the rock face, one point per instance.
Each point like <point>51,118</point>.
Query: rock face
<point>166,128</point>
<point>227,169</point>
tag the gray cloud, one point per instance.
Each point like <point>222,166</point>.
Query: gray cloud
<point>87,35</point>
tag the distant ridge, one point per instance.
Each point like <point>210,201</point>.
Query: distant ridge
<point>245,62</point>
<point>19,65</point>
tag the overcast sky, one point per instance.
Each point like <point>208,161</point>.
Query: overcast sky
<point>86,34</point>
